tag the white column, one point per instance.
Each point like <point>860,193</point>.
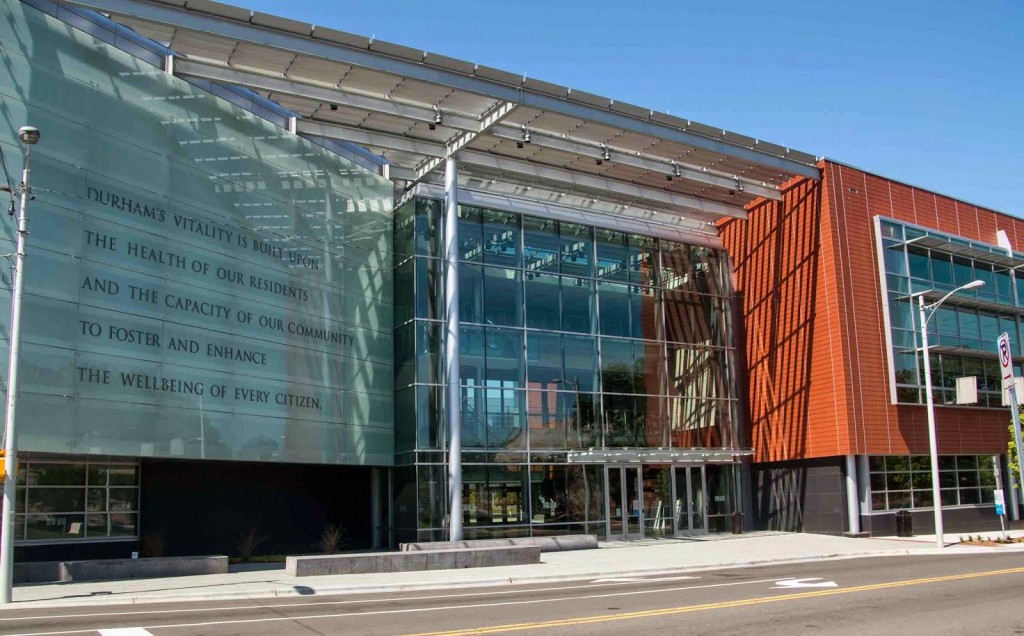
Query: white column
<point>451,349</point>
<point>852,494</point>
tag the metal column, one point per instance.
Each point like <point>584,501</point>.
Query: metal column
<point>852,494</point>
<point>10,434</point>
<point>451,348</point>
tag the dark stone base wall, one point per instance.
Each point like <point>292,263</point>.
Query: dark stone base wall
<point>205,507</point>
<point>800,496</point>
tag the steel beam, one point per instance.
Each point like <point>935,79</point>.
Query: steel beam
<point>635,160</point>
<point>177,17</point>
<point>370,138</point>
<point>491,118</point>
<point>472,127</point>
<point>296,88</point>
<point>659,198</point>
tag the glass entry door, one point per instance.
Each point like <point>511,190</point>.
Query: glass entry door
<point>690,503</point>
<point>625,504</point>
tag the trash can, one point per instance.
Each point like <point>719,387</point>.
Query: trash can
<point>904,525</point>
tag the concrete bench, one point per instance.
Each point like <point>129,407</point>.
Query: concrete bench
<point>411,561</point>
<point>546,544</point>
<point>118,569</point>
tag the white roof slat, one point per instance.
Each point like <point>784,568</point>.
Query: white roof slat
<point>397,50</point>
<point>630,109</point>
<point>261,58</point>
<point>589,98</point>
<point>464,102</point>
<point>498,75</point>
<point>317,71</point>
<point>596,133</point>
<point>367,81</point>
<point>669,120</point>
<point>304,107</point>
<point>387,124</point>
<point>552,122</point>
<point>341,37</point>
<point>419,92</point>
<point>219,9</point>
<point>344,116</point>
<point>158,32</point>
<point>540,86</point>
<point>449,63</point>
<point>703,129</point>
<point>284,24</point>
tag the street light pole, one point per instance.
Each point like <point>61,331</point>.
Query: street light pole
<point>29,136</point>
<point>930,400</point>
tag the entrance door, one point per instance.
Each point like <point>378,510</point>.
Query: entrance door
<point>690,504</point>
<point>625,505</point>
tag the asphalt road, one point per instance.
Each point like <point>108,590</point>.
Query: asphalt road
<point>966,594</point>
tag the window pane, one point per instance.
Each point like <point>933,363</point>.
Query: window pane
<point>641,260</point>
<point>55,526</point>
<point>56,499</point>
<point>501,238</point>
<point>544,361</point>
<point>542,307</point>
<point>616,366</point>
<point>581,361</point>
<point>428,220</point>
<point>504,357</point>
<point>540,244</point>
<point>578,305</point>
<point>470,235</point>
<point>503,303</point>
<point>124,499</point>
<point>124,525</point>
<point>96,526</point>
<point>428,289</point>
<point>97,500</point>
<point>611,255</point>
<point>614,309</point>
<point>56,474</point>
<point>577,247</point>
<point>471,293</point>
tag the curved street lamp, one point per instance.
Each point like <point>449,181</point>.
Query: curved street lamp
<point>930,401</point>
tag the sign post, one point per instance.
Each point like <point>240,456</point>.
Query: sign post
<point>1006,367</point>
<point>1000,508</point>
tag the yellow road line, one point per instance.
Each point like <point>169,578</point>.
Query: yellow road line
<point>514,627</point>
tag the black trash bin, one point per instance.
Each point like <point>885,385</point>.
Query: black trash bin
<point>904,525</point>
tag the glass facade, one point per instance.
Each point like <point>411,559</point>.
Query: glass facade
<point>202,283</point>
<point>962,334</point>
<point>899,481</point>
<point>571,337</point>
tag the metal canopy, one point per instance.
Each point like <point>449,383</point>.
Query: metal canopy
<point>967,251</point>
<point>657,455</point>
<point>415,108</point>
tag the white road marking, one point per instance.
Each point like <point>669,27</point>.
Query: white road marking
<point>653,579</point>
<point>125,631</point>
<point>361,601</point>
<point>277,619</point>
<point>790,584</point>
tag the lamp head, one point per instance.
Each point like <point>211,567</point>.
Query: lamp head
<point>974,283</point>
<point>29,135</point>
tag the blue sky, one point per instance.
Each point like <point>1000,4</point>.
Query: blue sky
<point>926,92</point>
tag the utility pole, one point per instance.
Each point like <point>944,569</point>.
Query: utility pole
<point>29,136</point>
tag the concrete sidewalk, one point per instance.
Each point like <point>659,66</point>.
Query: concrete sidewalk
<point>612,560</point>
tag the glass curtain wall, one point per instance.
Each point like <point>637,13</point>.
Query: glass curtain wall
<point>571,337</point>
<point>964,330</point>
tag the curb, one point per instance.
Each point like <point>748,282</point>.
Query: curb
<point>384,588</point>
